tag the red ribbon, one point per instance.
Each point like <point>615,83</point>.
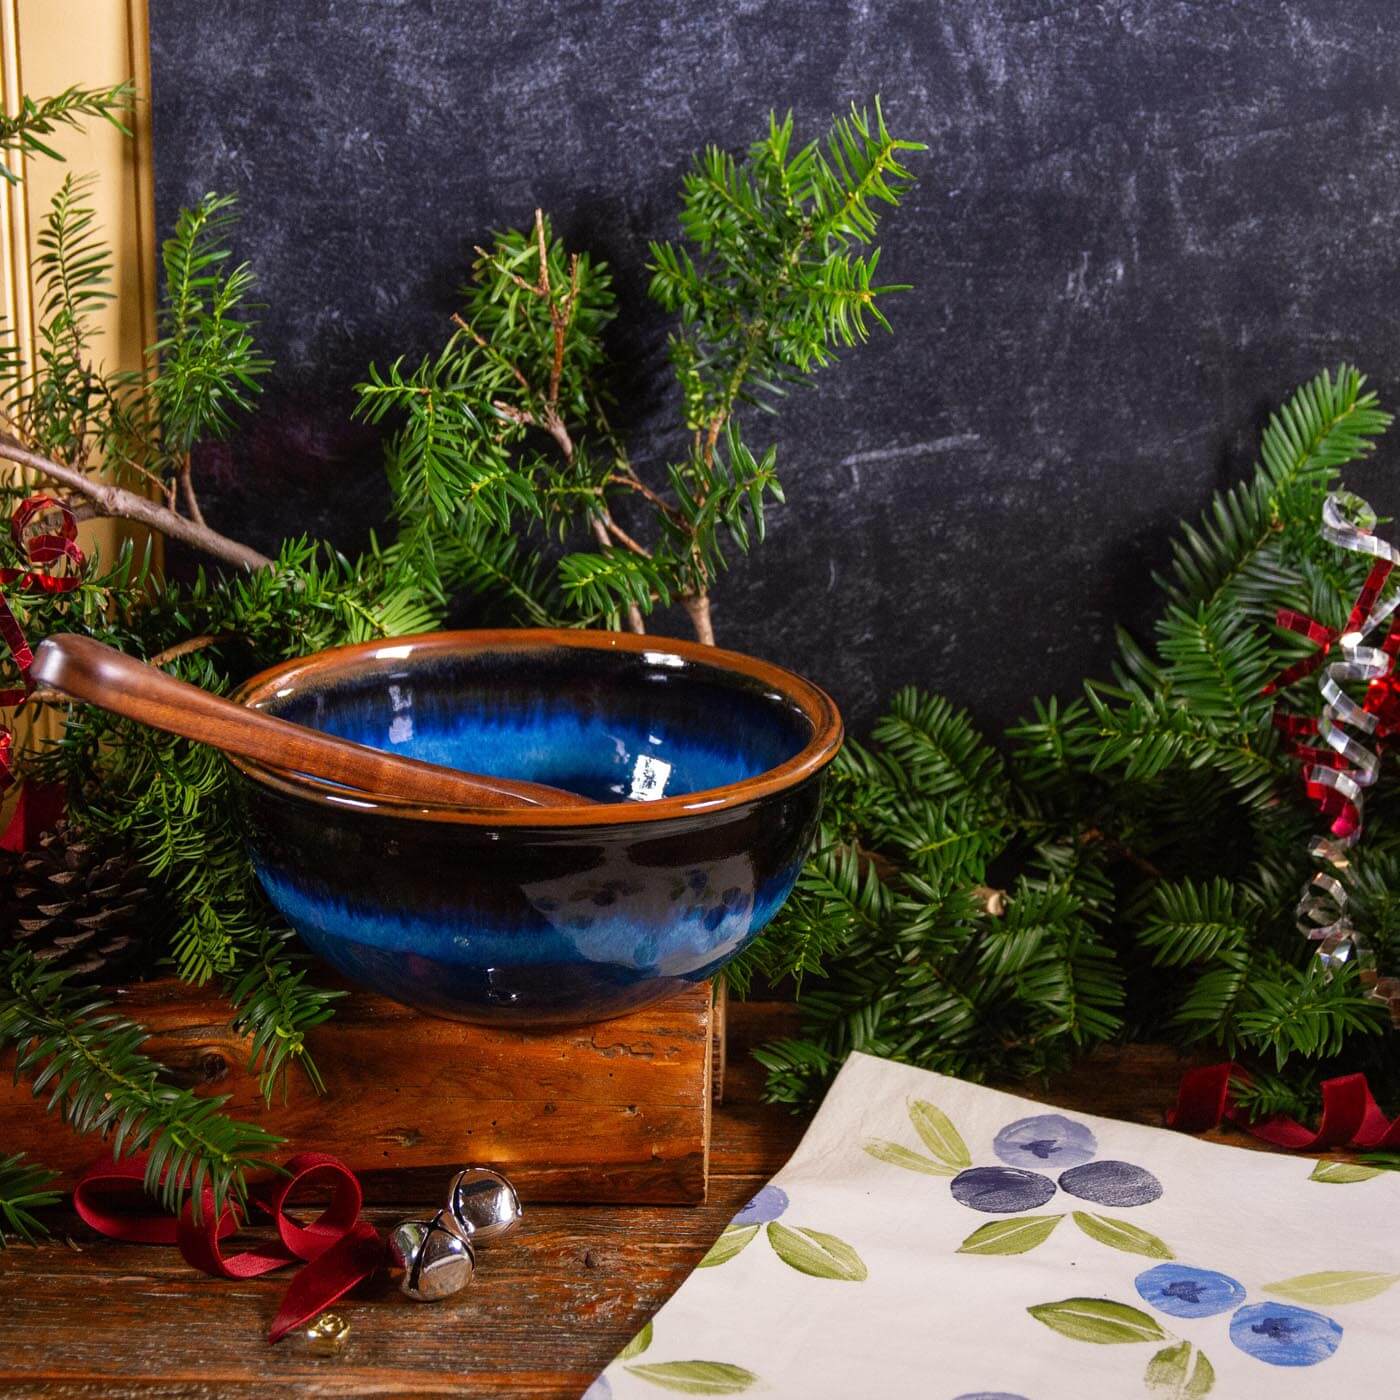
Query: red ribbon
<point>340,1249</point>
<point>40,540</point>
<point>1381,698</point>
<point>1351,1117</point>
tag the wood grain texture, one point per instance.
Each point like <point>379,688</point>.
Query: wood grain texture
<point>548,1311</point>
<point>617,1111</point>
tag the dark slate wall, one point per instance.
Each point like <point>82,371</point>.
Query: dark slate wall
<point>1137,225</point>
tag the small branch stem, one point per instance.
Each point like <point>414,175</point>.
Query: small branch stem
<point>634,613</point>
<point>633,482</point>
<point>622,537</point>
<point>116,501</point>
<point>185,648</point>
<point>697,606</point>
<point>187,487</point>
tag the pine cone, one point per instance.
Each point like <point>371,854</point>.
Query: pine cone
<point>79,903</point>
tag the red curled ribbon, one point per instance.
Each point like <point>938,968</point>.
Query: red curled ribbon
<point>1345,815</point>
<point>1351,1117</point>
<point>40,541</point>
<point>340,1249</point>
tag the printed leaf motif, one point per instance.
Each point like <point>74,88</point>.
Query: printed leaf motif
<point>1019,1235</point>
<point>906,1157</point>
<point>1119,1234</point>
<point>734,1238</point>
<point>938,1134</point>
<point>696,1377</point>
<point>1098,1320</point>
<point>812,1252</point>
<point>1171,1375</point>
<point>637,1345</point>
<point>1342,1173</point>
<point>1333,1286</point>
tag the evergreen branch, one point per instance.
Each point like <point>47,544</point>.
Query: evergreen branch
<point>23,1190</point>
<point>22,131</point>
<point>100,1082</point>
<point>1327,423</point>
<point>275,1005</point>
<point>208,367</point>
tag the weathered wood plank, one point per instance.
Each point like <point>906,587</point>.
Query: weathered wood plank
<point>618,1111</point>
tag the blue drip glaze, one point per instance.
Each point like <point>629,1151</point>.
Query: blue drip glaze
<point>709,739</point>
<point>529,926</point>
<point>695,938</point>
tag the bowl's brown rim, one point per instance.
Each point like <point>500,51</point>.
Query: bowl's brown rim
<point>815,704</point>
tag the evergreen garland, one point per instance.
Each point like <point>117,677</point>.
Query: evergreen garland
<point>89,1060</point>
<point>24,1188</point>
<point>1131,864</point>
<point>504,440</point>
<point>503,448</point>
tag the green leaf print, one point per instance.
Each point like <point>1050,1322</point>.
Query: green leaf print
<point>812,1252</point>
<point>1342,1173</point>
<point>637,1345</point>
<point>730,1243</point>
<point>1097,1320</point>
<point>696,1377</point>
<point>1171,1375</point>
<point>906,1157</point>
<point>939,1135</point>
<point>1333,1286</point>
<point>1119,1234</point>
<point>1018,1235</point>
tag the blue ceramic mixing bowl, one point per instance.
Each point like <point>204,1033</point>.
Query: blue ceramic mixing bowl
<point>707,767</point>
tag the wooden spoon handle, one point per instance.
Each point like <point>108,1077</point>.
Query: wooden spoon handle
<point>89,670</point>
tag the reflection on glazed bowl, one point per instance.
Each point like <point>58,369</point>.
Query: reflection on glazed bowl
<point>706,767</point>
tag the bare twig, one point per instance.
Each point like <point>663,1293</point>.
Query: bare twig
<point>697,606</point>
<point>634,613</point>
<point>560,318</point>
<point>621,535</point>
<point>187,487</point>
<point>117,502</point>
<point>186,648</point>
<point>542,287</point>
<point>633,482</point>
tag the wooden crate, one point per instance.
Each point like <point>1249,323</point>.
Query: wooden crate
<point>615,1112</point>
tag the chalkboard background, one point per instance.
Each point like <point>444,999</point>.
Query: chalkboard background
<point>1137,226</point>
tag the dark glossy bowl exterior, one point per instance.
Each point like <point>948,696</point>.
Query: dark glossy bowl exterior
<point>542,916</point>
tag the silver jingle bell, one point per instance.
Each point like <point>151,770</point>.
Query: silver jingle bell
<point>433,1255</point>
<point>484,1204</point>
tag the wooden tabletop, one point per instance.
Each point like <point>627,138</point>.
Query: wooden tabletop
<point>83,1316</point>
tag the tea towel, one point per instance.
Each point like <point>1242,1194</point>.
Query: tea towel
<point>937,1240</point>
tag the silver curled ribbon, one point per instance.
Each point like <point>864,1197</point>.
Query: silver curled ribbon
<point>1348,522</point>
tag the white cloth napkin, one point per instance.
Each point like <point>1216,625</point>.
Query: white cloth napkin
<point>935,1240</point>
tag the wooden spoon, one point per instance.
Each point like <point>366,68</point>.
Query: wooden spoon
<point>89,670</point>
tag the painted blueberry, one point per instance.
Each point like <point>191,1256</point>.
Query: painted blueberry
<point>1001,1190</point>
<point>1111,1184</point>
<point>1181,1291</point>
<point>1283,1335</point>
<point>1048,1139</point>
<point>767,1205</point>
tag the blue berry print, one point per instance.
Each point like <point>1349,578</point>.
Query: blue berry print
<point>767,1205</point>
<point>1181,1291</point>
<point>1001,1190</point>
<point>1284,1335</point>
<point>1111,1184</point>
<point>1048,1140</point>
